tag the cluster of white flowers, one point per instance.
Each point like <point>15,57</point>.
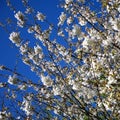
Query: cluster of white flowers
<point>26,106</point>
<point>82,22</point>
<point>26,60</point>
<point>35,28</point>
<point>37,49</point>
<point>22,87</point>
<point>57,90</point>
<point>29,10</point>
<point>40,16</point>
<point>24,48</point>
<point>69,20</point>
<point>15,38</point>
<point>75,85</point>
<point>108,41</point>
<point>76,30</point>
<point>4,115</point>
<point>60,33</point>
<point>85,43</point>
<point>115,23</point>
<point>21,19</point>
<point>46,80</point>
<point>12,80</point>
<point>68,1</point>
<point>62,18</point>
<point>2,84</point>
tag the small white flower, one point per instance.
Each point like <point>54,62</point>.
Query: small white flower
<point>85,42</point>
<point>76,85</point>
<point>26,60</point>
<point>76,30</point>
<point>15,38</point>
<point>62,18</point>
<point>107,41</point>
<point>12,79</point>
<point>23,49</point>
<point>26,106</point>
<point>29,10</point>
<point>1,85</point>
<point>115,23</point>
<point>82,22</point>
<point>3,115</point>
<point>60,33</point>
<point>18,118</point>
<point>111,80</point>
<point>37,49</point>
<point>69,20</point>
<point>22,87</point>
<point>40,16</point>
<point>119,11</point>
<point>31,29</point>
<point>21,18</point>
<point>68,1</point>
<point>56,90</point>
<point>46,80</point>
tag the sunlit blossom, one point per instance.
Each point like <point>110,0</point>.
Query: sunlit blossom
<point>46,80</point>
<point>40,16</point>
<point>62,18</point>
<point>15,38</point>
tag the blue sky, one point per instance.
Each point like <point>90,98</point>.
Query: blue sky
<point>8,51</point>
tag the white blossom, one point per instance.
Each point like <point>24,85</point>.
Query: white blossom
<point>4,115</point>
<point>1,84</point>
<point>15,38</point>
<point>29,10</point>
<point>21,18</point>
<point>68,1</point>
<point>82,21</point>
<point>12,79</point>
<point>115,23</point>
<point>85,42</point>
<point>62,18</point>
<point>57,90</point>
<point>60,33</point>
<point>22,87</point>
<point>26,106</point>
<point>69,20</point>
<point>37,49</point>
<point>31,29</point>
<point>76,85</point>
<point>76,30</point>
<point>40,16</point>
<point>46,80</point>
<point>107,42</point>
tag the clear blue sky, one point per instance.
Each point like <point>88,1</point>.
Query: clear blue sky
<point>8,51</point>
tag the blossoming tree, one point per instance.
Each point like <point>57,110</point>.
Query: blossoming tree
<point>80,77</point>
